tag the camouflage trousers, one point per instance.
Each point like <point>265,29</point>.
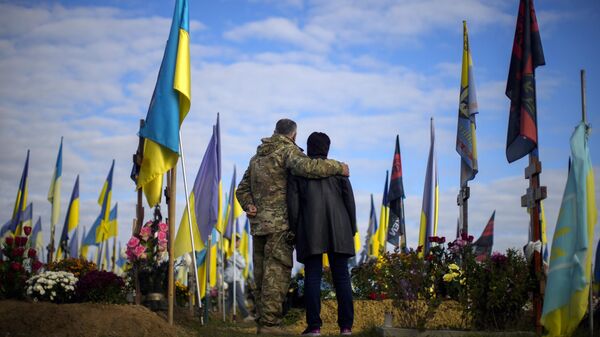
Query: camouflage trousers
<point>272,257</point>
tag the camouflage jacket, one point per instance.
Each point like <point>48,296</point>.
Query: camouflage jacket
<point>264,184</point>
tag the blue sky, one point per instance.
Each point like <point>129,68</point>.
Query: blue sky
<point>361,71</point>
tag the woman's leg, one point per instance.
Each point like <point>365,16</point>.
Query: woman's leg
<point>343,289</point>
<point>313,270</point>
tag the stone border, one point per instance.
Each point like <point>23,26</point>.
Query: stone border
<point>402,332</point>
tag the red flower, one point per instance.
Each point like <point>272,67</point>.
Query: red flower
<point>464,236</point>
<point>470,238</point>
<point>442,239</point>
<point>430,257</point>
<point>31,253</point>
<point>419,248</point>
<point>17,252</point>
<point>36,265</point>
<point>432,239</point>
<point>9,240</point>
<point>16,266</point>
<point>373,296</point>
<point>20,241</point>
<point>27,230</point>
<point>382,296</point>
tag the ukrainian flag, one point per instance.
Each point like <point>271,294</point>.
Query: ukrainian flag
<point>54,191</point>
<point>36,238</point>
<point>372,242</point>
<point>103,231</point>
<point>567,288</point>
<point>234,211</point>
<point>383,219</point>
<point>20,201</point>
<point>429,210</point>
<point>205,200</point>
<point>245,248</point>
<point>71,219</point>
<point>169,105</point>
<point>113,226</point>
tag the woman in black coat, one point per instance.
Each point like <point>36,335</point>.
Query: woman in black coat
<point>322,215</point>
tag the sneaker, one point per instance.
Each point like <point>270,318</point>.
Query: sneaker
<point>312,332</point>
<point>272,330</point>
<point>249,318</point>
<point>345,331</point>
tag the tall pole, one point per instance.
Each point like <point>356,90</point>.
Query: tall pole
<point>234,239</point>
<point>114,254</point>
<point>171,184</point>
<point>463,202</point>
<point>207,269</point>
<point>584,119</point>
<point>139,208</point>
<point>189,214</point>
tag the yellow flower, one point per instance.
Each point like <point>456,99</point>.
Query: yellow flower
<point>449,277</point>
<point>454,267</point>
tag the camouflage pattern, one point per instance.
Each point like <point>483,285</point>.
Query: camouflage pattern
<point>272,272</point>
<point>264,184</point>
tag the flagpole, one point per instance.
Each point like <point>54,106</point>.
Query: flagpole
<point>234,239</point>
<point>171,185</point>
<point>222,274</point>
<point>139,208</point>
<point>584,120</point>
<point>114,253</point>
<point>207,269</point>
<point>187,201</point>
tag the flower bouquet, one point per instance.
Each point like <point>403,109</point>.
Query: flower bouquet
<point>17,264</point>
<point>53,286</point>
<point>147,255</point>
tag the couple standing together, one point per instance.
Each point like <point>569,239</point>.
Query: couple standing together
<point>307,200</point>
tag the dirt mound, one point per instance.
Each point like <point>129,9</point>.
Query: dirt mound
<point>19,318</point>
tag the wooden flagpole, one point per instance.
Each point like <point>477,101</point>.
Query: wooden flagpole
<point>139,209</point>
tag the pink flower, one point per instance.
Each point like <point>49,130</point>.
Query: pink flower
<point>162,236</point>
<point>163,227</point>
<point>161,248</point>
<point>139,250</point>
<point>145,233</point>
<point>134,241</point>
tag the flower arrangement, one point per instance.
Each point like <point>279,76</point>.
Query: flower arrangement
<point>182,294</point>
<point>148,248</point>
<point>78,266</point>
<point>53,286</point>
<point>101,286</point>
<point>21,262</point>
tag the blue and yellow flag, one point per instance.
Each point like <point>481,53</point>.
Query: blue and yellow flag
<point>370,241</point>
<point>466,141</point>
<point>71,220</point>
<point>383,219</point>
<point>567,288</point>
<point>74,244</point>
<point>103,231</point>
<point>113,225</point>
<point>245,248</point>
<point>169,105</point>
<point>35,238</point>
<point>54,191</point>
<point>20,201</point>
<point>207,188</point>
<point>429,210</point>
<point>234,211</point>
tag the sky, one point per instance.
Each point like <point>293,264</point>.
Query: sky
<point>361,71</point>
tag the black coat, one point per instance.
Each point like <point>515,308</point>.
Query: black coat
<point>322,214</point>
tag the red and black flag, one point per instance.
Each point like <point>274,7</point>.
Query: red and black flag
<point>483,245</point>
<point>527,54</point>
<point>396,228</point>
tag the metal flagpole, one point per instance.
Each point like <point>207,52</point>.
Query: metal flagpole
<point>207,261</point>
<point>234,242</point>
<point>187,201</point>
<point>222,280</point>
<point>172,200</point>
<point>584,119</point>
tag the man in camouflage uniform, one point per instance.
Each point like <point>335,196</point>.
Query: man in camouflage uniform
<point>262,193</point>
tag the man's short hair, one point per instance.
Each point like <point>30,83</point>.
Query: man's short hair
<point>285,127</point>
